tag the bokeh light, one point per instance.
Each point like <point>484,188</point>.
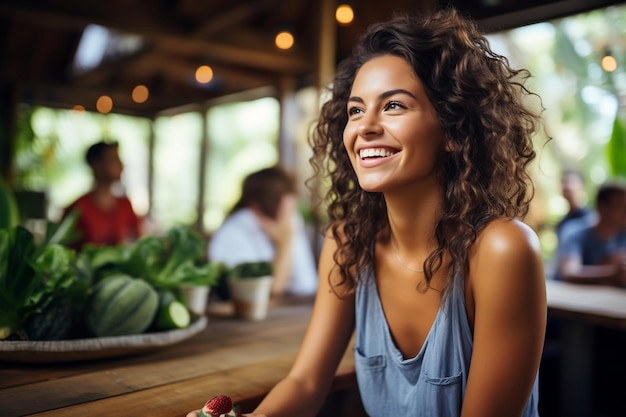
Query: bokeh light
<point>609,63</point>
<point>284,40</point>
<point>204,74</point>
<point>140,94</point>
<point>104,104</point>
<point>344,14</point>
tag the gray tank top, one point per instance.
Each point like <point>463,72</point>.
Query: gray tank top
<point>431,384</point>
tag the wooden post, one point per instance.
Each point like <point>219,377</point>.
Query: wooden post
<point>328,43</point>
<point>204,155</point>
<point>8,117</point>
<point>289,116</point>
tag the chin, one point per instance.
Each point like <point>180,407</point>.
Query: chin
<point>371,188</point>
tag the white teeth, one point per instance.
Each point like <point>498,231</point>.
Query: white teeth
<point>375,152</point>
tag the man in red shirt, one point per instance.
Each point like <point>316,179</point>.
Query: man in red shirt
<point>105,218</point>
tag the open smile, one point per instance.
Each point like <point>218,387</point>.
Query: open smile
<point>370,153</point>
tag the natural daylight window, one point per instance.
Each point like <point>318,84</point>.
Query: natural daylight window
<point>243,139</point>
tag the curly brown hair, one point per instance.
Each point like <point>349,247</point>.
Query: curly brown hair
<point>478,98</point>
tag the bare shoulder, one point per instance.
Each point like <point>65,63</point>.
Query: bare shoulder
<point>506,253</point>
<point>508,237</point>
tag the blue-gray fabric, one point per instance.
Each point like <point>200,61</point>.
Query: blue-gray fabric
<point>592,249</point>
<point>431,384</point>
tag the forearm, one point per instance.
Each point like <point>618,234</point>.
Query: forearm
<point>283,265</point>
<point>591,274</point>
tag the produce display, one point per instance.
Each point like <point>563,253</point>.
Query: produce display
<point>41,290</point>
<point>220,406</point>
<point>121,305</point>
<point>50,292</point>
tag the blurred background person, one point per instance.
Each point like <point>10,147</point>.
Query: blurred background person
<point>573,190</point>
<point>106,216</point>
<point>579,213</point>
<point>265,225</point>
<point>596,254</point>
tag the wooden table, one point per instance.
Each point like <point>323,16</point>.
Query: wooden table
<point>581,307</point>
<point>230,356</point>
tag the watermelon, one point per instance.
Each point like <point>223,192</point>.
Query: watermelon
<point>121,305</point>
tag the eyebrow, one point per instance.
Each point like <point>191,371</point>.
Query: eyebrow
<point>385,95</point>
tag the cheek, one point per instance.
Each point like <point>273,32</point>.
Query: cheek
<point>348,138</point>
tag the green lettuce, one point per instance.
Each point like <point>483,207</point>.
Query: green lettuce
<point>33,276</point>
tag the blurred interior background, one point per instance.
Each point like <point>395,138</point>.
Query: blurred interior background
<point>201,93</point>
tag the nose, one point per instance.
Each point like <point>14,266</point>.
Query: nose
<point>369,125</point>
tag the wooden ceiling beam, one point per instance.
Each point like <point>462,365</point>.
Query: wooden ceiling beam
<point>157,29</point>
<point>58,96</point>
<point>233,17</point>
<point>542,13</point>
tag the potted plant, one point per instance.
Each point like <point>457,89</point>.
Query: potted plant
<point>249,284</point>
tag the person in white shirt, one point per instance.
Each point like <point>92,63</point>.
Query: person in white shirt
<point>265,225</point>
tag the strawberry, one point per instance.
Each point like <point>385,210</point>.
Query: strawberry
<point>219,405</point>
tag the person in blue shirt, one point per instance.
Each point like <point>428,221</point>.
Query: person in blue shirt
<point>424,145</point>
<point>596,254</point>
<point>573,191</point>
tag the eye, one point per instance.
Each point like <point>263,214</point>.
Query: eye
<point>354,111</point>
<point>394,105</point>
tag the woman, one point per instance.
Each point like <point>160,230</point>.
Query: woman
<point>264,225</point>
<point>427,142</point>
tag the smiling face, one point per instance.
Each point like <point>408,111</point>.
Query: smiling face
<point>393,136</point>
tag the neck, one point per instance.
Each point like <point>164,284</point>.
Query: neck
<point>412,219</point>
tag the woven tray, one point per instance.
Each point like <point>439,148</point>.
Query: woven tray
<point>97,347</point>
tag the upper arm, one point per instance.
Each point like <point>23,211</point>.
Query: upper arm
<point>507,286</point>
<point>569,251</point>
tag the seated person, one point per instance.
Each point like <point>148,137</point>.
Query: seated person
<point>596,254</point>
<point>106,218</point>
<point>264,225</point>
<point>573,190</point>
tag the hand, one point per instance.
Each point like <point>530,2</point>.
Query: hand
<point>618,260</point>
<point>280,230</point>
<point>621,269</point>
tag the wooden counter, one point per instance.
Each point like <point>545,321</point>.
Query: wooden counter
<point>580,307</point>
<point>230,356</point>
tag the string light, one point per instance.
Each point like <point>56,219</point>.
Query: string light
<point>140,94</point>
<point>284,40</point>
<point>609,63</point>
<point>204,74</point>
<point>344,14</point>
<point>104,104</point>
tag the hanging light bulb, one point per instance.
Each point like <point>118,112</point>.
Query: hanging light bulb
<point>140,94</point>
<point>609,63</point>
<point>204,74</point>
<point>104,104</point>
<point>344,14</point>
<point>284,40</point>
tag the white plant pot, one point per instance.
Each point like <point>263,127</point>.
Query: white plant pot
<point>196,298</point>
<point>251,296</point>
